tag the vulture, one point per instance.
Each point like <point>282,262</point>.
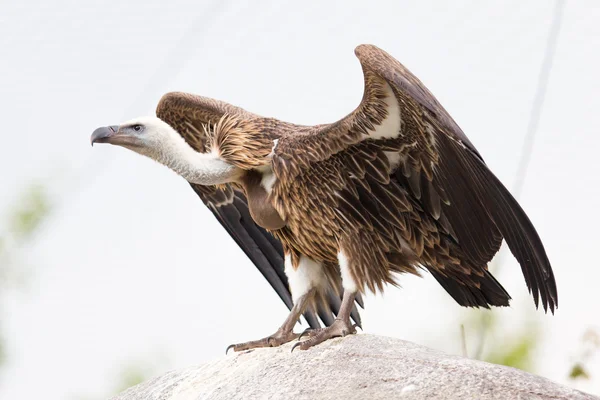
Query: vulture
<point>328,212</point>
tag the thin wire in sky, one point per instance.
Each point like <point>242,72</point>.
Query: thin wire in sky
<point>532,129</point>
<point>538,100</point>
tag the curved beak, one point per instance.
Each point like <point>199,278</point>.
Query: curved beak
<point>104,134</point>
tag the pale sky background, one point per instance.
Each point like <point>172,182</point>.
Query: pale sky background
<point>132,267</point>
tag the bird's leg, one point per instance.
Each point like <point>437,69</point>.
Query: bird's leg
<point>340,327</point>
<point>285,333</point>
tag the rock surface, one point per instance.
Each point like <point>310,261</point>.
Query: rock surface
<point>355,367</point>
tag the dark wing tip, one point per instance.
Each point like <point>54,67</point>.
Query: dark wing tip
<point>494,208</point>
<point>489,293</point>
<point>549,295</point>
<point>519,233</point>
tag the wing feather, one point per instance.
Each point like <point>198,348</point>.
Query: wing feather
<point>436,163</point>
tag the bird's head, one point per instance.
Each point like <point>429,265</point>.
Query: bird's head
<point>148,136</point>
<point>154,138</point>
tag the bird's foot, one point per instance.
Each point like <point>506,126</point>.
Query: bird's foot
<point>339,328</point>
<point>277,339</point>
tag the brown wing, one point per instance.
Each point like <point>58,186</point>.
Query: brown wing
<point>434,161</point>
<point>187,114</point>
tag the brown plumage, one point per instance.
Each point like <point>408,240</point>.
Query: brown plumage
<point>392,188</point>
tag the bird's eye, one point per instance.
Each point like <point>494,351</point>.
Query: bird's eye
<point>137,128</point>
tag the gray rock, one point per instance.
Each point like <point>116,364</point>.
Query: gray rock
<point>355,367</point>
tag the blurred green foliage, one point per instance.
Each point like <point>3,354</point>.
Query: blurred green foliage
<point>578,371</point>
<point>32,208</point>
<point>484,334</point>
<point>588,348</point>
<point>516,351</point>
<point>131,375</point>
<point>23,220</point>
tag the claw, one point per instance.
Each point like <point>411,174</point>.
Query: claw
<point>304,332</point>
<point>339,328</point>
<point>294,346</point>
<point>229,347</point>
<point>357,326</point>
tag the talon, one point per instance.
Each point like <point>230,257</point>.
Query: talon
<point>357,326</point>
<point>294,346</point>
<point>304,332</point>
<point>229,347</point>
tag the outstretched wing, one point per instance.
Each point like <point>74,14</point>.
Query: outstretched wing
<point>428,155</point>
<point>189,114</point>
